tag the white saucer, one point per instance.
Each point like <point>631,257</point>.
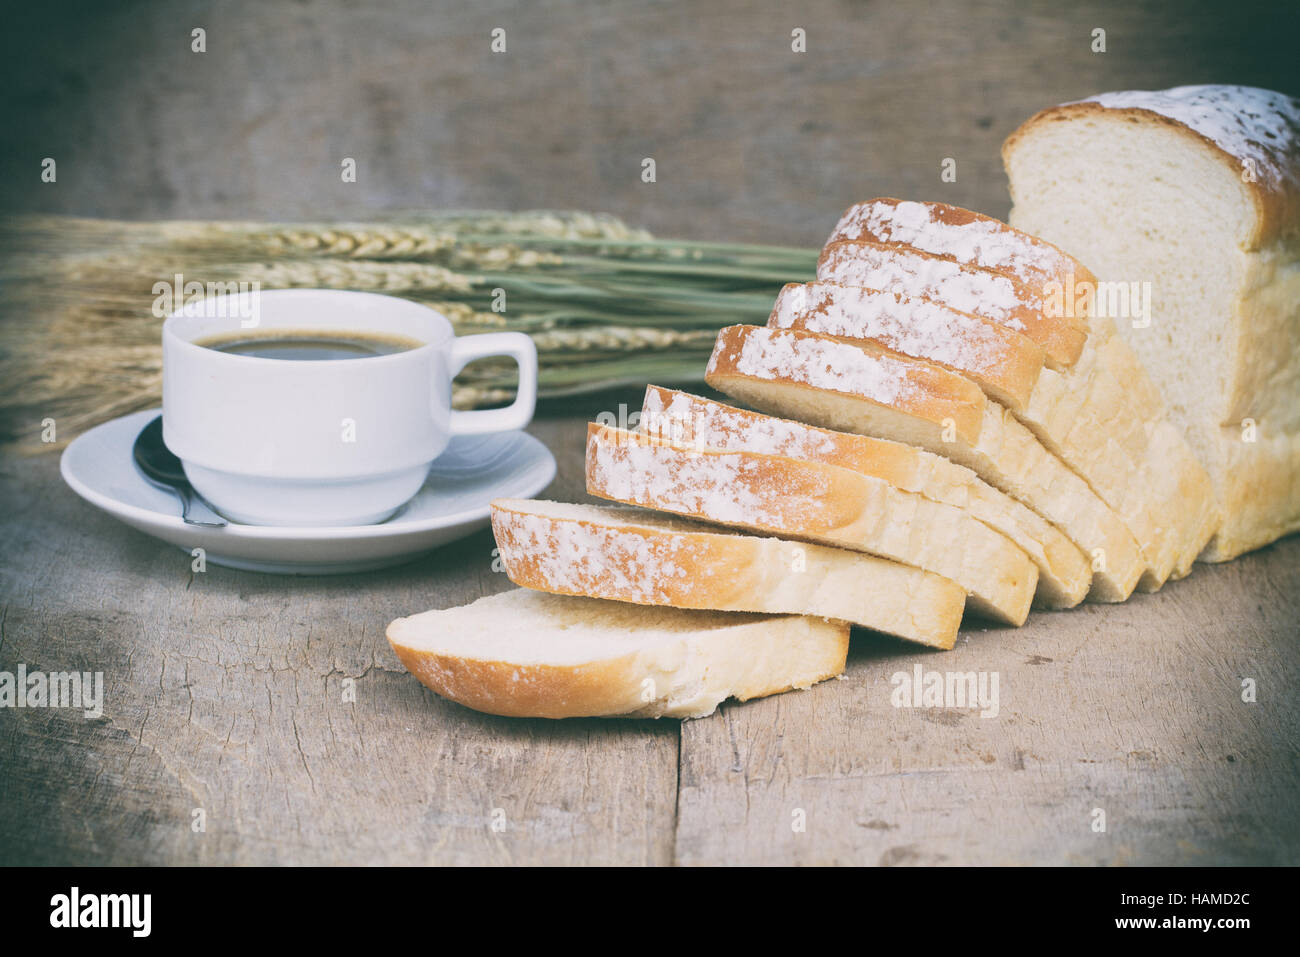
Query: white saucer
<point>453,503</point>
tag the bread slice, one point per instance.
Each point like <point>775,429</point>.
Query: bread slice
<point>628,554</point>
<point>818,503</point>
<point>962,236</point>
<point>980,292</point>
<point>1098,415</point>
<point>774,370</point>
<point>1005,363</point>
<point>1195,191</point>
<point>1064,573</point>
<point>527,654</point>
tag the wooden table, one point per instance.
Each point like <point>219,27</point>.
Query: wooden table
<point>226,707</point>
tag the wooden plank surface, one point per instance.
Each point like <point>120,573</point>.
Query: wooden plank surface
<point>225,692</point>
<point>1135,709</point>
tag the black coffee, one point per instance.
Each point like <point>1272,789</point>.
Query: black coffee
<point>309,346</point>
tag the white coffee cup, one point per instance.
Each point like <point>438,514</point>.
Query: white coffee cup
<point>336,442</point>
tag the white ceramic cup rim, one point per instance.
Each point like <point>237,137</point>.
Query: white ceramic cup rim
<point>438,326</point>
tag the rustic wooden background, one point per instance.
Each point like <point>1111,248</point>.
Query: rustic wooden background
<point>224,689</point>
<point>751,140</point>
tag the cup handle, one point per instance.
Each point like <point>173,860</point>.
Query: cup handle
<point>518,413</point>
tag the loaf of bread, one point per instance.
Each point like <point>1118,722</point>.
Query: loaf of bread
<point>530,654</point>
<point>1195,192</point>
<point>633,555</point>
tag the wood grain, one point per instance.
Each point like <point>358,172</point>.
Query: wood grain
<point>224,691</point>
<point>1135,709</point>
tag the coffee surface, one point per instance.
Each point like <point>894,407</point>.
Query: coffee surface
<point>308,345</point>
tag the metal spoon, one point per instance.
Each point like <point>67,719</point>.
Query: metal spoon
<point>163,469</point>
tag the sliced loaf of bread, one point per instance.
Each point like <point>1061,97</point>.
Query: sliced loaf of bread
<point>814,502</point>
<point>628,554</point>
<point>529,654</point>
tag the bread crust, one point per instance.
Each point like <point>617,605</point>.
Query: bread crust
<point>545,691</point>
<point>704,423</point>
<point>1274,191</point>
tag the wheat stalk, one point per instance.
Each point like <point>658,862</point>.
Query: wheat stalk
<point>620,339</point>
<point>606,304</point>
<point>129,275</point>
